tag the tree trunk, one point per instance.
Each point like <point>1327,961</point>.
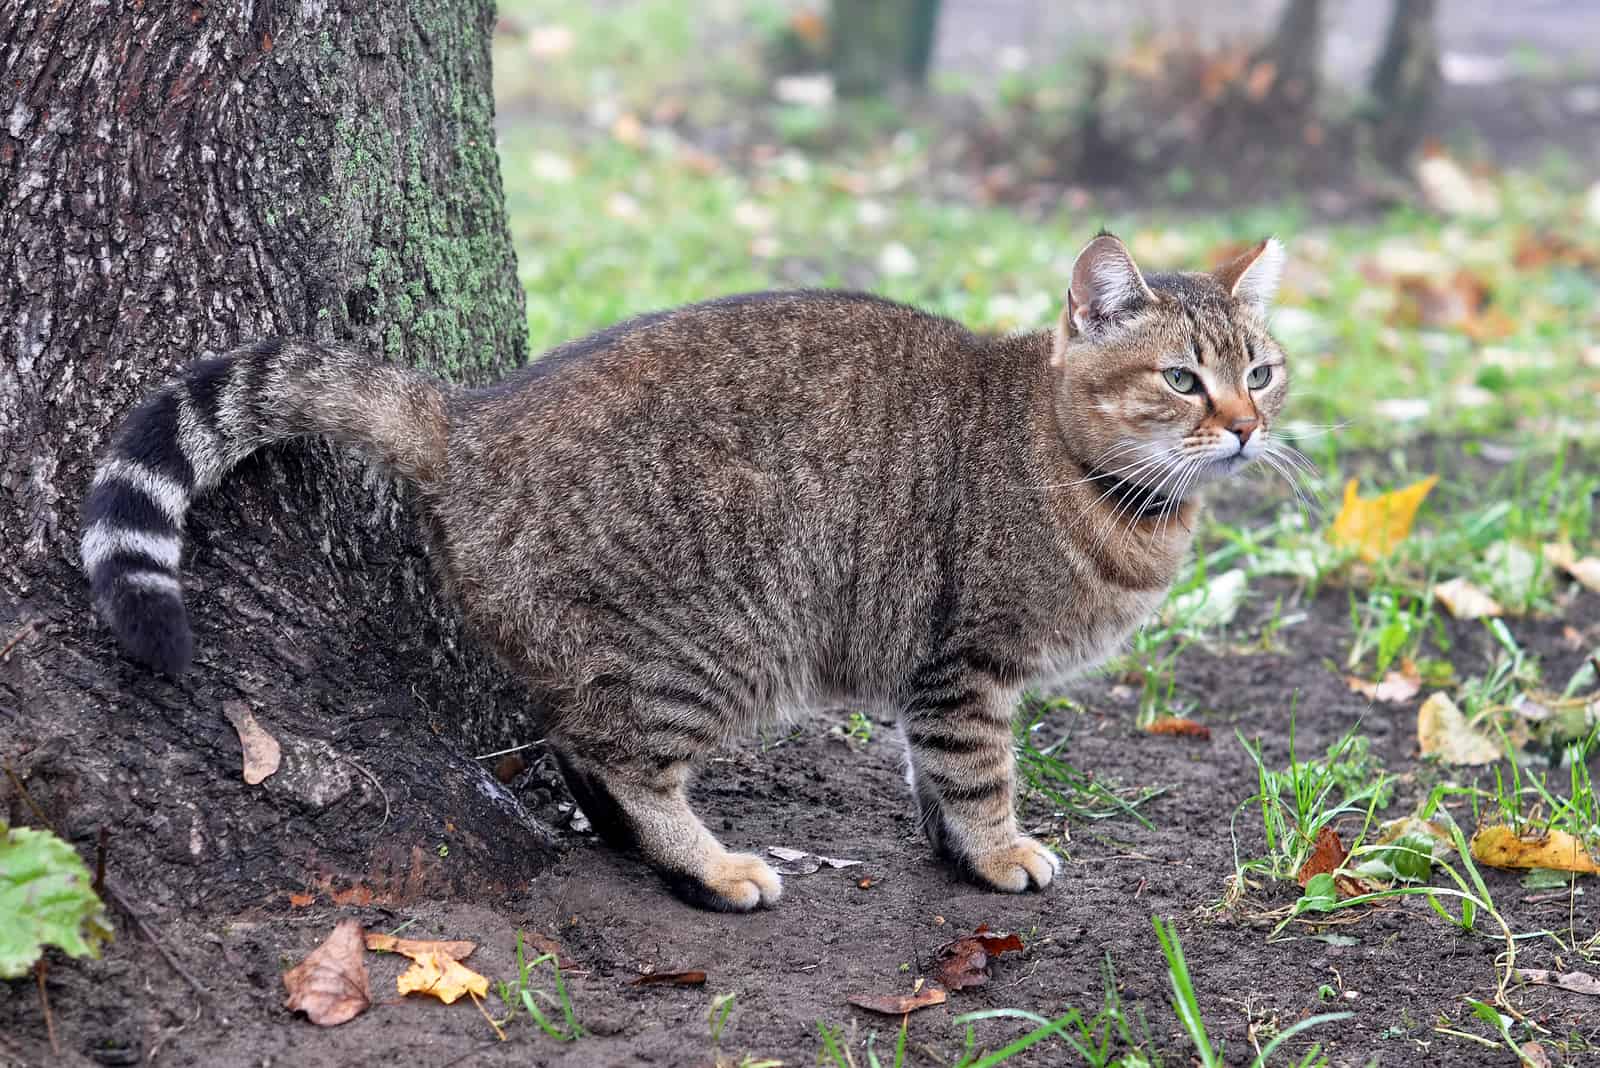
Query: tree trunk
<point>1295,57</point>
<point>1405,80</point>
<point>177,179</point>
<point>877,44</point>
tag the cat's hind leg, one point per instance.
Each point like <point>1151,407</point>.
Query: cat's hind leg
<point>642,805</point>
<point>963,774</point>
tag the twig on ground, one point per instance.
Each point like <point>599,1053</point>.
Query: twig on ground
<point>149,935</point>
<point>22,632</point>
<point>373,779</point>
<point>40,968</point>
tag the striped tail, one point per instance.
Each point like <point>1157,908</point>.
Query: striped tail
<point>187,435</point>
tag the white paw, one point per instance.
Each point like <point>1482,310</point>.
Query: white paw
<point>1016,867</point>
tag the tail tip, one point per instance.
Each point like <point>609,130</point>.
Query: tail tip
<point>153,628</point>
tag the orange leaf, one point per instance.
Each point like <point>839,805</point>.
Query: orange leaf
<point>1327,854</point>
<point>1178,725</point>
<point>1500,847</point>
<point>693,978</point>
<point>899,1004</point>
<point>414,948</point>
<point>965,962</point>
<point>1375,526</point>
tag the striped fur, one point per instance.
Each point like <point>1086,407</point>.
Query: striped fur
<point>706,519</point>
<point>190,433</point>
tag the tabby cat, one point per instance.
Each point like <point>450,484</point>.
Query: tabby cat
<point>700,520</point>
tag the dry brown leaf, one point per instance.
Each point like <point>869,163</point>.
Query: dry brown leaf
<point>1374,526</point>
<point>1327,854</point>
<point>1577,982</point>
<point>330,985</point>
<point>261,752</point>
<point>899,1004</point>
<point>1533,1055</point>
<point>1463,600</point>
<point>1499,847</point>
<point>693,978</point>
<point>1178,725</point>
<point>414,948</point>
<point>1443,731</point>
<point>1396,688</point>
<point>442,976</point>
<point>965,962</point>
<point>547,945</point>
<point>1585,569</point>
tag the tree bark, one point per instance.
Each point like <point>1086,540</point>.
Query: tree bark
<point>1405,80</point>
<point>877,44</point>
<point>176,179</point>
<point>1295,55</point>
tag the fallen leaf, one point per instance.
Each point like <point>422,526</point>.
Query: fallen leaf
<point>899,1004</point>
<point>548,946</point>
<point>1179,726</point>
<point>1585,569</point>
<point>442,976</point>
<point>1396,688</point>
<point>1451,190</point>
<point>671,979</point>
<point>965,962</point>
<point>1327,855</point>
<point>414,948</point>
<point>1500,847</point>
<point>1374,526</point>
<point>300,901</point>
<point>1213,604</point>
<point>799,862</point>
<point>1533,1055</point>
<point>1443,731</point>
<point>261,752</point>
<point>330,985</point>
<point>1463,600</point>
<point>1577,982</point>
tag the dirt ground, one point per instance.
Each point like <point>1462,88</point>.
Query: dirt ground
<point>830,937</point>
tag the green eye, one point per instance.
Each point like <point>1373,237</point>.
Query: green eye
<point>1258,376</point>
<point>1181,380</point>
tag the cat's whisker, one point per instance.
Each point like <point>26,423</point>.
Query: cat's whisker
<point>1152,464</point>
<point>1100,474</point>
<point>1275,462</point>
<point>1151,493</point>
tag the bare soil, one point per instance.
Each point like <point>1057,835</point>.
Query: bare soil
<point>871,929</point>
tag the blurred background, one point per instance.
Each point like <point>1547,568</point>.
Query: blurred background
<point>1430,164</point>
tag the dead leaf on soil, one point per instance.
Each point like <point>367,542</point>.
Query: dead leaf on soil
<point>261,752</point>
<point>1375,526</point>
<point>1397,687</point>
<point>899,1004</point>
<point>1499,847</point>
<point>1585,569</point>
<point>671,979</point>
<point>414,948</point>
<point>1450,189</point>
<point>1577,982</point>
<point>442,976</point>
<point>548,946</point>
<point>1463,600</point>
<point>330,985</point>
<point>1179,726</point>
<point>1545,248</point>
<point>1444,732</point>
<point>1533,1055</point>
<point>799,862</point>
<point>1327,855</point>
<point>965,962</point>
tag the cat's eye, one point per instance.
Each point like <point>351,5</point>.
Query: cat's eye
<point>1181,380</point>
<point>1258,376</point>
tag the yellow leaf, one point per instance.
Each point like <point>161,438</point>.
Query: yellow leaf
<point>1499,847</point>
<point>1374,526</point>
<point>441,976</point>
<point>414,948</point>
<point>1444,732</point>
<point>1463,600</point>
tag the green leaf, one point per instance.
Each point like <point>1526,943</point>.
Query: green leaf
<point>1321,895</point>
<point>45,900</point>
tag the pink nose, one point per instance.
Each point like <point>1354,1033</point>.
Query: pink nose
<point>1243,427</point>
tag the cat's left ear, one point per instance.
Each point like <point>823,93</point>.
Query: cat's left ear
<point>1252,278</point>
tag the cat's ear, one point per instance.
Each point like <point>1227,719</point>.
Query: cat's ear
<point>1252,278</point>
<point>1106,285</point>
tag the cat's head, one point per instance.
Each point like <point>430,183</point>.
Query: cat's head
<point>1169,381</point>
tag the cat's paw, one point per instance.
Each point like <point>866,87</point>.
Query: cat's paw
<point>1016,867</point>
<point>731,882</point>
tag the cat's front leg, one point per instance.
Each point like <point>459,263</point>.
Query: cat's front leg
<point>963,772</point>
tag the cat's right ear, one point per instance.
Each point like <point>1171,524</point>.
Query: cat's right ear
<point>1106,285</point>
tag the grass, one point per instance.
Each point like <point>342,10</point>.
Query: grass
<point>521,994</point>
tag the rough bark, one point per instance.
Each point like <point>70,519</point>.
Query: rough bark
<point>177,179</point>
<point>1405,80</point>
<point>1295,55</point>
<point>878,44</point>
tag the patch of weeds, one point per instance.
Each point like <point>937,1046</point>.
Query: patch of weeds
<point>1187,1006</point>
<point>1528,806</point>
<point>1112,1038</point>
<point>1501,1025</point>
<point>1512,672</point>
<point>836,1047</point>
<point>521,993</point>
<point>1389,626</point>
<point>1071,792</point>
<point>1296,804</point>
<point>857,730</point>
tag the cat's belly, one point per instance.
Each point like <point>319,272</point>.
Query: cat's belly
<point>1081,644</point>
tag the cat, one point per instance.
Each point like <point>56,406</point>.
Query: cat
<point>700,519</point>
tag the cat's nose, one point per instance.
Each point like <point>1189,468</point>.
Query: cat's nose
<point>1243,427</point>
